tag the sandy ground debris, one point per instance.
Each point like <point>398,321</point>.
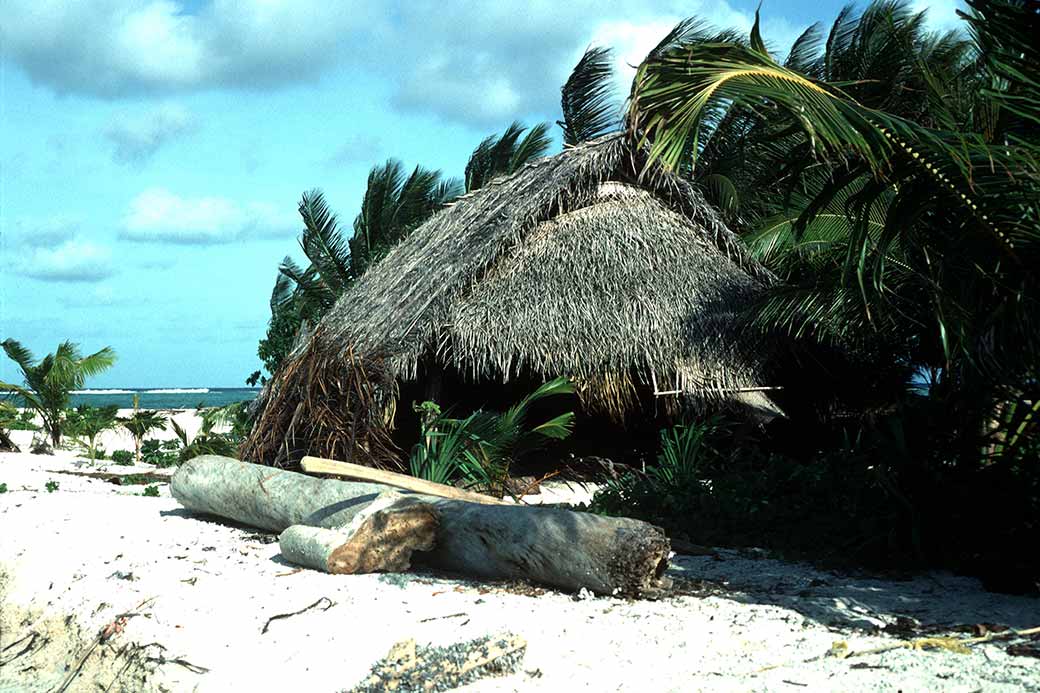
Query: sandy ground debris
<point>158,599</point>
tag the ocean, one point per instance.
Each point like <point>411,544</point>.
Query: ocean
<point>161,398</point>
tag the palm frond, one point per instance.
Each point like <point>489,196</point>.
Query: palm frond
<point>97,362</point>
<point>322,242</point>
<point>534,145</point>
<point>499,155</point>
<point>588,100</point>
<point>18,353</point>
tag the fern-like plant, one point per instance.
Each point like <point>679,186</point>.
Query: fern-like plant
<point>481,448</point>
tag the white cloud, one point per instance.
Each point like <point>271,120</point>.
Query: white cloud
<point>490,66</point>
<point>161,216</point>
<point>137,137</point>
<point>482,64</point>
<point>113,48</point>
<point>71,261</point>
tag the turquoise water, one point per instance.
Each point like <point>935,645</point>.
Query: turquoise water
<point>162,398</point>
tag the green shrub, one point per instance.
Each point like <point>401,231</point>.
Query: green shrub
<point>51,486</point>
<point>207,441</point>
<point>481,448</point>
<point>160,453</point>
<point>85,423</point>
<point>123,457</point>
<point>883,493</point>
<point>3,488</point>
<point>151,491</point>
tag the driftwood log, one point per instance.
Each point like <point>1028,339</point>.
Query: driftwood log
<point>561,548</point>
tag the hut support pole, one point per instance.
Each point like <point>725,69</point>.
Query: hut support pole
<point>560,548</point>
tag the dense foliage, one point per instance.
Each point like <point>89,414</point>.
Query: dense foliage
<point>232,418</point>
<point>889,177</point>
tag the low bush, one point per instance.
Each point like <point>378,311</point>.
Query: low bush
<point>878,496</point>
<point>123,457</point>
<point>161,453</point>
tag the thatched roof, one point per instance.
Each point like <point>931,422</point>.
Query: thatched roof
<point>569,266</point>
<point>575,265</point>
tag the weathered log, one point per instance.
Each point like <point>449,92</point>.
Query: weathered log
<point>380,539</point>
<point>266,497</point>
<point>565,549</point>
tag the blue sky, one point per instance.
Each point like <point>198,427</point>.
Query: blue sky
<point>152,152</point>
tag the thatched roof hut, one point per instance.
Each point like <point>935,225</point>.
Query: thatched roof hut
<point>582,264</point>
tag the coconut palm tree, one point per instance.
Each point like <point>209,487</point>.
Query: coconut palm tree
<point>396,203</point>
<point>927,218</point>
<point>49,382</point>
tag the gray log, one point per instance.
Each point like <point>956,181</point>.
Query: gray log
<point>266,497</point>
<point>565,549</point>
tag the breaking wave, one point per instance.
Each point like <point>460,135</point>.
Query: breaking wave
<point>178,391</point>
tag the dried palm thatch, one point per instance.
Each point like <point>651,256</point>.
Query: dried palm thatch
<point>581,264</point>
<point>337,406</point>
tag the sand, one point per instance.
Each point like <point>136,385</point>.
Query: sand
<point>73,560</point>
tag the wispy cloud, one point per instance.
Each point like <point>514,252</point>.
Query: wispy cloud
<point>71,261</point>
<point>363,149</point>
<point>43,233</point>
<point>136,138</point>
<point>160,216</point>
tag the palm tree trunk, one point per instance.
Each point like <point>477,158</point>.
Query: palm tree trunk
<point>6,444</point>
<point>55,435</point>
<point>137,448</point>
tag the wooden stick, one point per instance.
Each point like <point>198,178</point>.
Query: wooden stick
<point>320,465</point>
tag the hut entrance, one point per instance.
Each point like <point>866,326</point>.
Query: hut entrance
<point>596,436</point>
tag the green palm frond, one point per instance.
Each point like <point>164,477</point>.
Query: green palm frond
<point>19,354</point>
<point>323,243</point>
<point>535,144</point>
<point>28,396</point>
<point>499,155</point>
<point>589,104</point>
<point>804,54</point>
<point>95,364</point>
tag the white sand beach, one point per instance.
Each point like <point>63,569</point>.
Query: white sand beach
<point>197,595</point>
